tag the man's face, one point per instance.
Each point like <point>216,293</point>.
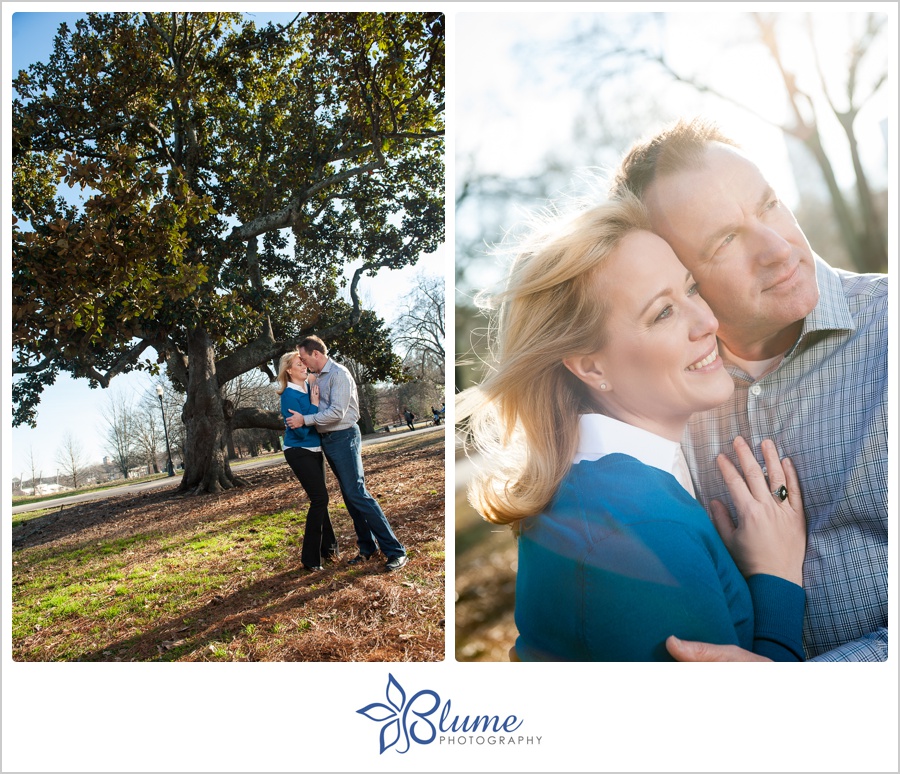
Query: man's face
<point>312,360</point>
<point>749,257</point>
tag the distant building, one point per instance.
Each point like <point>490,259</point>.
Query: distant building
<point>43,488</point>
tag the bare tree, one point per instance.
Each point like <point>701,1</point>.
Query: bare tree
<point>36,477</point>
<point>148,431</point>
<point>420,327</point>
<point>607,54</point>
<point>253,388</point>
<point>70,458</point>
<point>121,428</point>
<point>863,231</point>
<point>252,392</point>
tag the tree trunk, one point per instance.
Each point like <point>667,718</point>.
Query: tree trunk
<point>842,212</point>
<point>874,250</point>
<point>364,394</point>
<point>366,426</point>
<point>205,416</point>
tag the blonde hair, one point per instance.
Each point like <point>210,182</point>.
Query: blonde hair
<point>523,419</point>
<point>283,366</point>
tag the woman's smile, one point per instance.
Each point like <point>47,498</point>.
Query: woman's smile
<point>657,322</point>
<point>706,361</point>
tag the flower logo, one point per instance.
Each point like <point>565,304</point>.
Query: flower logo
<point>401,721</point>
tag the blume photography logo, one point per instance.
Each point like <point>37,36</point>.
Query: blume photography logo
<point>419,721</point>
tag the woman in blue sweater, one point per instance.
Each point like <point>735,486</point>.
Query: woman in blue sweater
<point>303,452</point>
<point>605,351</point>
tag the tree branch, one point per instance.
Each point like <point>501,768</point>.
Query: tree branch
<point>18,369</point>
<point>255,417</point>
<point>126,358</point>
<point>285,216</point>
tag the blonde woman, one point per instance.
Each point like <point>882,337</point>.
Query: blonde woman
<point>303,452</point>
<point>605,349</point>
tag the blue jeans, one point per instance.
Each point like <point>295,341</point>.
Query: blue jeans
<point>342,450</point>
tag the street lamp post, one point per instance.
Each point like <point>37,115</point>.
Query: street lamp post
<point>170,469</point>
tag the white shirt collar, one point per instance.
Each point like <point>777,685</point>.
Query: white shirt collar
<point>296,387</point>
<point>599,435</point>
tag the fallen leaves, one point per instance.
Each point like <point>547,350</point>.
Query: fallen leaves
<point>339,614</point>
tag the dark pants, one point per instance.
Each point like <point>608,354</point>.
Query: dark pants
<point>342,450</point>
<point>319,541</point>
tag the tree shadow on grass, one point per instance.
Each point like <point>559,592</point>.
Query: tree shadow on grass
<point>222,617</point>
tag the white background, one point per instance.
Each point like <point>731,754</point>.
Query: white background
<point>302,717</point>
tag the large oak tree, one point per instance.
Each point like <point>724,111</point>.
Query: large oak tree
<point>230,176</point>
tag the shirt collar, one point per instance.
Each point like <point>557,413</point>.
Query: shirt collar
<point>599,435</point>
<point>832,312</point>
<point>295,387</point>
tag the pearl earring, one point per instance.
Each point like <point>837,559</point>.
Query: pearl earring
<point>603,385</point>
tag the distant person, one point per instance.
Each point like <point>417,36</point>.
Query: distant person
<point>435,415</point>
<point>341,440</point>
<point>303,452</point>
<point>409,417</point>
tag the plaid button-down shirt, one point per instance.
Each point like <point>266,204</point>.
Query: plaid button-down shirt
<point>338,399</point>
<point>825,406</point>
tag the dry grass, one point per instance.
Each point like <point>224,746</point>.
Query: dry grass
<point>218,578</point>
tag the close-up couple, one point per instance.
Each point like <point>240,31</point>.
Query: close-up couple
<point>686,424</point>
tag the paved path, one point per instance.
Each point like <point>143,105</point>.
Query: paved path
<point>173,481</point>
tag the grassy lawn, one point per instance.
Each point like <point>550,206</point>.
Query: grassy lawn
<point>26,499</point>
<point>218,577</point>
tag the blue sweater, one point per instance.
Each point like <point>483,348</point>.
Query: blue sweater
<point>298,401</point>
<point>625,557</point>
